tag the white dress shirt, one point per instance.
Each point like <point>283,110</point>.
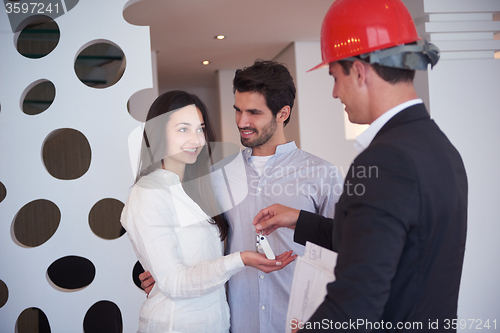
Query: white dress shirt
<point>364,139</point>
<point>173,240</point>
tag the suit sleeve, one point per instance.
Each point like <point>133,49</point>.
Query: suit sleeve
<point>371,224</point>
<point>313,228</point>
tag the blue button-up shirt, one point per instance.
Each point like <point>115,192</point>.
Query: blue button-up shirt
<point>291,177</point>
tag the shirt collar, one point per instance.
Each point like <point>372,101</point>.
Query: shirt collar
<point>171,177</point>
<point>281,149</point>
<point>364,139</point>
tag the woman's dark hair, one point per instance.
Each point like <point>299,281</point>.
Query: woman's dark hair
<point>196,180</point>
<point>272,80</point>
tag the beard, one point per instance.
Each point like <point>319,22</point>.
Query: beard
<point>262,136</point>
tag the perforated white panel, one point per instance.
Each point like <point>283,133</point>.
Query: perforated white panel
<point>101,115</point>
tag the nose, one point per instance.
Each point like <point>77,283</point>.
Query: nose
<point>197,138</point>
<point>241,119</point>
<point>334,92</point>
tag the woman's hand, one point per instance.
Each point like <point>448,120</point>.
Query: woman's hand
<point>259,260</point>
<point>249,258</point>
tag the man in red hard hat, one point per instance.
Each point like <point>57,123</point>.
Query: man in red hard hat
<point>399,232</point>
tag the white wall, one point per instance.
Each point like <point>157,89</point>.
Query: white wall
<point>292,129</point>
<point>464,101</point>
<point>229,131</point>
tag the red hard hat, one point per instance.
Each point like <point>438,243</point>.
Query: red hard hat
<point>354,27</point>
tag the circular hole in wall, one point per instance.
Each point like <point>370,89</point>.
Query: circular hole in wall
<point>38,38</point>
<point>100,65</point>
<point>32,320</point>
<point>138,270</point>
<point>3,192</point>
<point>103,316</point>
<point>36,222</point>
<point>4,293</point>
<point>71,272</point>
<point>38,97</point>
<point>66,154</point>
<point>139,103</point>
<point>70,4</point>
<point>104,218</point>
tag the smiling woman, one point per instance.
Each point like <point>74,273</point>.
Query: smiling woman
<point>173,224</point>
<point>185,139</point>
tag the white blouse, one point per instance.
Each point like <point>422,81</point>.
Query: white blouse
<point>173,239</point>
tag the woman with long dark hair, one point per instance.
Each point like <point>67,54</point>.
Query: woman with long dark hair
<point>172,221</point>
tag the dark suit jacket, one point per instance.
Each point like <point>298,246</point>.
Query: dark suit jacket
<point>399,231</point>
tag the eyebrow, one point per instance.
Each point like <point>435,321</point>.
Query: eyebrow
<point>249,110</point>
<point>188,124</point>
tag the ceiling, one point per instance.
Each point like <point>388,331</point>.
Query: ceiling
<point>183,33</point>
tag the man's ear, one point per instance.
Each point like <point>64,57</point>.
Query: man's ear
<point>359,70</point>
<point>283,114</point>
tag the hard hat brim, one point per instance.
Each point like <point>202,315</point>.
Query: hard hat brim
<point>323,64</point>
